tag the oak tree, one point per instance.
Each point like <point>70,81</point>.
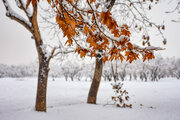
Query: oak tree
<point>30,21</point>
<point>92,29</point>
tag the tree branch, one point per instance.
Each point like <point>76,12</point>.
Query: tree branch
<point>22,6</point>
<point>14,16</point>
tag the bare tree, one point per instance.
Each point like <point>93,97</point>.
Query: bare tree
<point>30,22</point>
<point>122,73</point>
<point>114,72</point>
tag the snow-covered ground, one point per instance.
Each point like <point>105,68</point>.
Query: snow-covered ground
<point>67,100</point>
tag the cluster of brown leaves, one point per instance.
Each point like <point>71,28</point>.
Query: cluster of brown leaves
<point>71,21</point>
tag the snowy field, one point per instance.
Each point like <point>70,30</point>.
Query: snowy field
<point>67,100</point>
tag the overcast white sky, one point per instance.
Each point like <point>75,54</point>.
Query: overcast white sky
<point>17,47</point>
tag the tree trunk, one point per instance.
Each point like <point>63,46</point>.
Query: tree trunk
<point>42,81</point>
<point>43,60</point>
<point>96,81</point>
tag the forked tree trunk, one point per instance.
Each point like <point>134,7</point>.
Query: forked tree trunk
<point>32,27</point>
<point>96,81</point>
<point>42,81</point>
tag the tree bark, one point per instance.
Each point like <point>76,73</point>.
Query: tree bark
<point>43,64</point>
<point>96,81</point>
<point>42,81</point>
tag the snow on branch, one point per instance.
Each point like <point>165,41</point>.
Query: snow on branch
<point>154,48</point>
<point>149,48</point>
<point>14,16</point>
<point>22,6</point>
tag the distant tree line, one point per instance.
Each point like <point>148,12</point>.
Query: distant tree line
<point>16,71</point>
<point>152,70</point>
